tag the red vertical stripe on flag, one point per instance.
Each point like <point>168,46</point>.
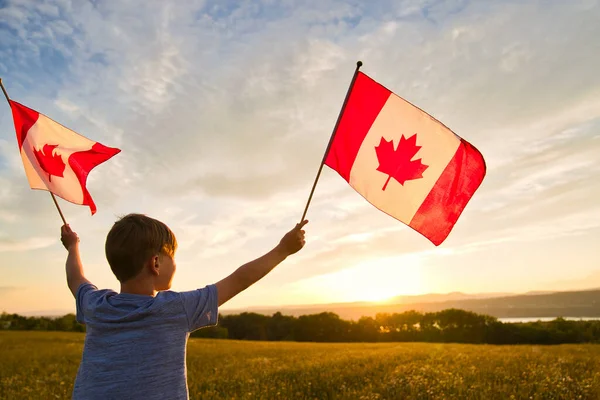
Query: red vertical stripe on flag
<point>82,162</point>
<point>366,100</point>
<point>437,215</point>
<point>24,118</point>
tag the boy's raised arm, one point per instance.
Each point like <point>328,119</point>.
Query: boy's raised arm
<point>73,266</point>
<point>249,273</point>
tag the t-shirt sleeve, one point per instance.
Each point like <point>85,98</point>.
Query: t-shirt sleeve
<point>81,300</point>
<point>201,307</point>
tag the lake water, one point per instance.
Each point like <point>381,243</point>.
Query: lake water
<point>533,319</point>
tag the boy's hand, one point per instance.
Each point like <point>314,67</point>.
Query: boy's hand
<point>68,237</point>
<point>293,241</point>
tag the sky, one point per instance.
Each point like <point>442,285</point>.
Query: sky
<point>223,109</point>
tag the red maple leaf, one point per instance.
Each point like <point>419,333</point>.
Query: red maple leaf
<point>397,163</point>
<point>51,164</point>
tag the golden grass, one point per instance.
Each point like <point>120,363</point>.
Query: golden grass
<point>42,365</point>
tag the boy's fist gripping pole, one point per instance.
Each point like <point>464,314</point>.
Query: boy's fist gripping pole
<point>68,237</point>
<point>293,241</point>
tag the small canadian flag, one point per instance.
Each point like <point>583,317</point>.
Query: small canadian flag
<point>55,158</point>
<point>404,161</point>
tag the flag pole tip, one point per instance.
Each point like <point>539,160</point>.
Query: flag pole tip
<point>359,64</point>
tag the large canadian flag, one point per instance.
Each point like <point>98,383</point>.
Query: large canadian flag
<point>56,158</point>
<point>404,161</point>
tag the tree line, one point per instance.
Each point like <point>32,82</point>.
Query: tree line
<point>451,325</point>
<point>21,323</point>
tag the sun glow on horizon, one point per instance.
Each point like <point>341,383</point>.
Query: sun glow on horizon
<point>379,296</point>
<point>376,280</point>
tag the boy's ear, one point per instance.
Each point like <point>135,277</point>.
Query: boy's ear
<point>153,265</point>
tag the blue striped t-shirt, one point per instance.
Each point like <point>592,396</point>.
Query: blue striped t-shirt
<point>135,345</point>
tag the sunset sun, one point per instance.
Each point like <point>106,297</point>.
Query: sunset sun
<point>403,277</point>
<point>377,295</point>
<point>375,280</point>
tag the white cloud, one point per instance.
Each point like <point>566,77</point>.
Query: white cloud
<point>33,243</point>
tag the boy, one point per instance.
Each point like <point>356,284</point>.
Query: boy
<point>135,341</point>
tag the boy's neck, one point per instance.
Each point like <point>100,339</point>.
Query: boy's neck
<point>142,287</point>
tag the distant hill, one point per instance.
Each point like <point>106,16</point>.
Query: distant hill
<point>439,297</point>
<point>501,305</point>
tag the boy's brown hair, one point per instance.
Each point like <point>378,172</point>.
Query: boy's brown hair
<point>133,240</point>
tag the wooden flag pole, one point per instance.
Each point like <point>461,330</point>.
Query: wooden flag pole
<point>51,194</point>
<point>4,91</point>
<point>58,208</point>
<point>337,123</point>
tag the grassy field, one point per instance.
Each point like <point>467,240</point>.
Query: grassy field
<point>42,365</point>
